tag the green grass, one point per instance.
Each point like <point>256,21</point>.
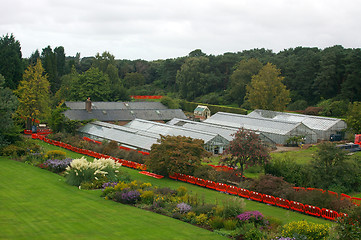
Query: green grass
<point>212,196</point>
<point>302,156</point>
<point>37,204</point>
<point>358,195</point>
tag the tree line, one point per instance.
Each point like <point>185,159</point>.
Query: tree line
<point>295,78</point>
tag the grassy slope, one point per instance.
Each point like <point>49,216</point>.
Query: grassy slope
<point>37,204</point>
<point>211,196</point>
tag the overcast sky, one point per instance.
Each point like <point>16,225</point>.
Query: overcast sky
<point>160,29</point>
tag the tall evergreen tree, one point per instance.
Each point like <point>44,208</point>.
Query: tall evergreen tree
<point>48,59</point>
<point>11,65</point>
<point>60,60</point>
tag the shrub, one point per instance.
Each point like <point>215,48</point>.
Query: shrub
<point>130,196</point>
<point>35,159</point>
<point>191,216</point>
<point>204,208</point>
<point>57,166</point>
<point>297,105</point>
<point>312,110</point>
<point>201,219</point>
<point>183,207</point>
<point>167,191</point>
<point>147,197</point>
<point>232,207</point>
<point>311,231</point>
<point>203,172</point>
<point>230,224</point>
<point>55,154</point>
<point>254,234</point>
<point>13,150</point>
<point>181,191</point>
<point>216,222</point>
<point>350,227</point>
<point>271,185</point>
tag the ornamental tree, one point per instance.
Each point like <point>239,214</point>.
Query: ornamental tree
<point>246,149</point>
<point>176,154</point>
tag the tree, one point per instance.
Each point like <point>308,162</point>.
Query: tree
<point>60,60</point>
<point>266,90</point>
<point>11,66</point>
<point>327,162</point>
<point>299,66</point>
<point>246,149</point>
<point>176,154</point>
<point>331,73</point>
<point>351,86</point>
<point>8,103</point>
<point>353,119</point>
<point>241,77</point>
<point>133,80</point>
<point>195,78</point>
<point>33,94</point>
<point>94,84</point>
<point>48,59</point>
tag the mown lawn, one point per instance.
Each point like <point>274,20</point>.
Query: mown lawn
<point>211,196</point>
<point>302,156</point>
<point>37,204</point>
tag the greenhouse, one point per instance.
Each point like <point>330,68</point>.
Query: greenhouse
<point>324,127</point>
<point>212,142</point>
<point>276,130</point>
<point>126,137</point>
<point>225,131</point>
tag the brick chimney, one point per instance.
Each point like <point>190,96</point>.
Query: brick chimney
<point>88,105</point>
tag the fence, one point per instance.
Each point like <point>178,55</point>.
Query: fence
<point>145,97</point>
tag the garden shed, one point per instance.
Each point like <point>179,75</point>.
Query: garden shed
<point>276,130</point>
<point>202,112</point>
<point>324,127</point>
<point>213,142</point>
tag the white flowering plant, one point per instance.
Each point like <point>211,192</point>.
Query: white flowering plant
<point>81,170</point>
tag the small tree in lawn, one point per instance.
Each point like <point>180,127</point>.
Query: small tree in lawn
<point>246,149</point>
<point>176,154</point>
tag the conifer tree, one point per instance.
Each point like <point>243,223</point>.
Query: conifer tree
<point>33,94</point>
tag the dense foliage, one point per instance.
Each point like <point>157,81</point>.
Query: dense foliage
<point>309,75</point>
<point>8,103</point>
<point>330,169</point>
<point>176,154</point>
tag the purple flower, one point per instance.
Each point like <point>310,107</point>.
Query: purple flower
<point>183,207</point>
<point>250,216</point>
<point>130,196</point>
<point>56,165</point>
<point>109,184</point>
